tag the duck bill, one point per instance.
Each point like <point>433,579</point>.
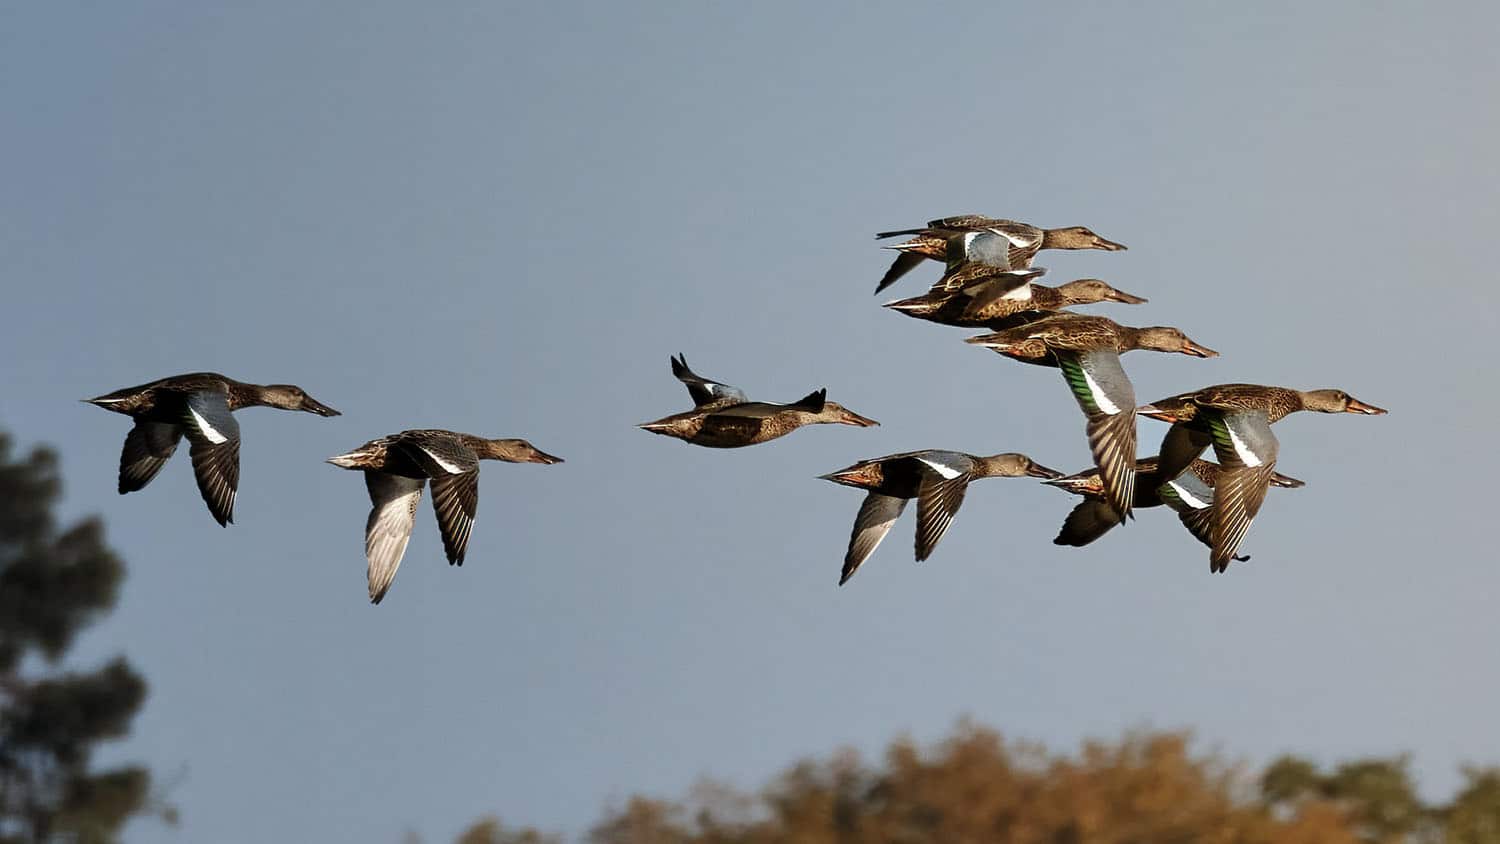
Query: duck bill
<point>1357,406</point>
<point>1197,351</point>
<point>849,417</point>
<point>312,405</point>
<point>1109,245</point>
<point>539,456</point>
<point>1125,298</point>
<point>1037,470</point>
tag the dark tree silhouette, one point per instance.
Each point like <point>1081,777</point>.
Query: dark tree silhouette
<point>53,583</point>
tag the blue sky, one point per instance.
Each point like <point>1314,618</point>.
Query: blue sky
<point>504,219</point>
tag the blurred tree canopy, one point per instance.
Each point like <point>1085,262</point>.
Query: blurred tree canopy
<point>53,583</point>
<point>976,787</point>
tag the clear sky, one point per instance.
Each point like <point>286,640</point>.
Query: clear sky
<point>503,219</point>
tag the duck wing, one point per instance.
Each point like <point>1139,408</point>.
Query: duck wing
<point>939,496</point>
<point>1091,519</point>
<point>876,515</point>
<point>905,262</point>
<point>705,391</point>
<point>214,444</point>
<point>1107,398</point>
<point>1180,447</point>
<point>1014,285</point>
<point>455,500</point>
<point>1247,451</point>
<point>393,510</point>
<point>148,447</point>
<point>436,453</point>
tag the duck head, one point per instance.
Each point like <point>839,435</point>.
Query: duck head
<point>1161,338</point>
<point>1086,291</point>
<point>833,412</point>
<point>513,450</point>
<point>1013,465</point>
<point>292,397</point>
<point>1337,401</point>
<point>1077,237</point>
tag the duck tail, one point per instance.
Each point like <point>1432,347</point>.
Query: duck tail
<point>351,460</point>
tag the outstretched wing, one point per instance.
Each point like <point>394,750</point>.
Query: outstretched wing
<point>393,508</point>
<point>455,499</point>
<point>1091,519</point>
<point>938,498</point>
<point>1179,448</point>
<point>148,447</point>
<point>214,445</point>
<point>1107,398</point>
<point>1247,450</point>
<point>705,391</point>
<point>905,262</point>
<point>876,515</point>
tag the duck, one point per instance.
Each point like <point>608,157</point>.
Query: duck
<point>1189,494</point>
<point>722,416</point>
<point>937,479</point>
<point>1006,244</point>
<point>1236,420</point>
<point>989,302</point>
<point>396,469</point>
<point>1087,349</point>
<point>199,406</point>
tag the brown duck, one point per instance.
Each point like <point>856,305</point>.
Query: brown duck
<point>991,303</point>
<point>1087,349</point>
<point>937,479</point>
<point>1236,420</point>
<point>1006,244</point>
<point>199,406</point>
<point>722,417</point>
<point>1190,495</point>
<point>396,468</point>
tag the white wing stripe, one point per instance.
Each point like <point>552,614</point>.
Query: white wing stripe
<point>1247,456</point>
<point>1187,497</point>
<point>1022,293</point>
<point>1101,399</point>
<point>943,469</point>
<point>208,430</point>
<point>446,466</point>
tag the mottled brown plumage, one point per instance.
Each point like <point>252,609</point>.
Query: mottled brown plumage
<point>943,240</point>
<point>199,406</point>
<point>1093,517</point>
<point>980,305</point>
<point>396,468</point>
<point>1236,420</point>
<point>1087,350</point>
<point>938,480</point>
<point>723,418</point>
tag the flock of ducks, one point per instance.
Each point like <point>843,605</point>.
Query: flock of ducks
<point>988,283</point>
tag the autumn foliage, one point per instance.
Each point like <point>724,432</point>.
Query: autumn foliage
<point>976,787</point>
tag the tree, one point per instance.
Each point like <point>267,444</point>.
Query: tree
<point>976,787</point>
<point>53,583</point>
<point>490,830</point>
